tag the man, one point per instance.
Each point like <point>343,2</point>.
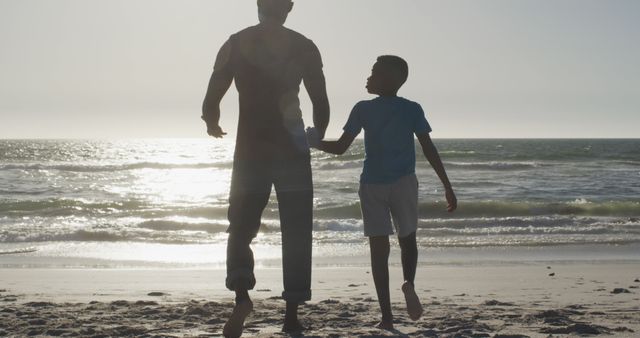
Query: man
<point>268,62</point>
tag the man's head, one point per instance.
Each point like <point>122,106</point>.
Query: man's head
<point>389,73</point>
<point>274,10</point>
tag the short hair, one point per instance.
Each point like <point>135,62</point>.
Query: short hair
<point>396,65</point>
<point>274,7</point>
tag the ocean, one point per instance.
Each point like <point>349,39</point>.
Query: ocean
<point>163,202</point>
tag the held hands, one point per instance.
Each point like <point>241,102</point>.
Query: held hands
<point>452,201</point>
<point>313,137</point>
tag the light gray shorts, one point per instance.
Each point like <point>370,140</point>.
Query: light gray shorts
<point>381,202</point>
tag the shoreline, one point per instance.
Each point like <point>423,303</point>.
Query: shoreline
<point>132,255</point>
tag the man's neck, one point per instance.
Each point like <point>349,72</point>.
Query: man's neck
<point>271,23</point>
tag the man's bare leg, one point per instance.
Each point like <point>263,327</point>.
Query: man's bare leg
<point>235,324</point>
<point>291,323</point>
<point>379,247</point>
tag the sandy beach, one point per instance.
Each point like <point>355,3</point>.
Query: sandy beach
<point>490,300</point>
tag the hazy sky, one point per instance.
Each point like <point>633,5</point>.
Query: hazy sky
<point>139,68</point>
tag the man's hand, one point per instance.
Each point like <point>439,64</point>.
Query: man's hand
<point>215,131</point>
<point>313,137</point>
<point>452,201</point>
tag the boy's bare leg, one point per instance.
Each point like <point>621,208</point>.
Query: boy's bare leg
<point>409,255</point>
<point>291,323</point>
<point>379,247</point>
<point>235,324</point>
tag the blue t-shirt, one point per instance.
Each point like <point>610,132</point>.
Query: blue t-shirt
<point>389,124</point>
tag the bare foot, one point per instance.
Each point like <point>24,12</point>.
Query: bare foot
<point>234,325</point>
<point>414,308</point>
<point>385,325</point>
<point>292,327</point>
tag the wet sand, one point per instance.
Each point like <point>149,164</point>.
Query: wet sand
<point>527,300</point>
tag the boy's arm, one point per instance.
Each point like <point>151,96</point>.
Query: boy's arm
<point>337,147</point>
<point>431,153</point>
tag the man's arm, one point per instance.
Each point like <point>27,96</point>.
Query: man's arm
<point>337,147</point>
<point>431,153</point>
<point>315,84</point>
<point>218,85</point>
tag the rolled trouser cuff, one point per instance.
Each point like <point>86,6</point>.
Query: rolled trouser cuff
<point>296,296</point>
<point>240,279</point>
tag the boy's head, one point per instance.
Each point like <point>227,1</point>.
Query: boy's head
<point>389,73</point>
<point>276,10</point>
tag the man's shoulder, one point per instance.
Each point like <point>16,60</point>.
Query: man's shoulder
<point>251,30</point>
<point>298,36</point>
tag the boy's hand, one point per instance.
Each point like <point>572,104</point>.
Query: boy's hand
<point>313,137</point>
<point>452,201</point>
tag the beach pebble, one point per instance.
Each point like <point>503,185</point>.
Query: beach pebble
<point>196,311</point>
<point>215,321</point>
<point>149,311</point>
<point>39,304</point>
<point>37,322</point>
<point>87,331</point>
<point>620,290</point>
<point>552,274</point>
<point>576,307</point>
<point>35,332</point>
<point>494,302</point>
<point>263,290</point>
<point>623,329</point>
<point>56,332</point>
<point>637,280</point>
<point>577,328</point>
<point>157,294</point>
<point>127,331</point>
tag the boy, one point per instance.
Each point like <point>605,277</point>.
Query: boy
<point>388,184</point>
